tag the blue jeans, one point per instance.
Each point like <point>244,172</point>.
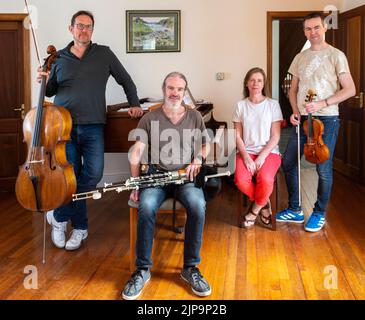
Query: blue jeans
<point>324,170</point>
<point>85,151</point>
<point>150,200</point>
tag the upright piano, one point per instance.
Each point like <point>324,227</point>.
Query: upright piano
<point>119,124</point>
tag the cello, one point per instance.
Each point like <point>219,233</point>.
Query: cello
<point>46,180</point>
<point>315,150</point>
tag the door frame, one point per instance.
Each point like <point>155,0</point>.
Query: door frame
<point>270,17</point>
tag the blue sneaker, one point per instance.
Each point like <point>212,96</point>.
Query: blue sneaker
<point>315,222</point>
<point>288,215</point>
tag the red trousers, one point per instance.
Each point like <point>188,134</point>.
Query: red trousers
<point>258,191</point>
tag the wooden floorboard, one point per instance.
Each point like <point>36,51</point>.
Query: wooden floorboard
<point>289,263</point>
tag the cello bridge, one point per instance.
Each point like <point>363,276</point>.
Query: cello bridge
<point>36,161</point>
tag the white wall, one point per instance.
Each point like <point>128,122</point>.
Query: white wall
<point>217,36</point>
<point>350,4</point>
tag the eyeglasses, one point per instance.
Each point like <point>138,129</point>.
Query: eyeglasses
<point>81,26</point>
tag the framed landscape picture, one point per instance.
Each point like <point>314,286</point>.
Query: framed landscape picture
<point>153,31</point>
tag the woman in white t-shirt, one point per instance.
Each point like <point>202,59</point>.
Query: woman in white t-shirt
<point>257,121</point>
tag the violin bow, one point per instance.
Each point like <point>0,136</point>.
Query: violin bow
<point>298,144</point>
<point>33,33</point>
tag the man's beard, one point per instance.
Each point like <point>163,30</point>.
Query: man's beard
<point>172,103</point>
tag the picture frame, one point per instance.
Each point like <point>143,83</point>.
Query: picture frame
<point>153,31</point>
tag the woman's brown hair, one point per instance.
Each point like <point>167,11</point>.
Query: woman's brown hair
<point>265,89</point>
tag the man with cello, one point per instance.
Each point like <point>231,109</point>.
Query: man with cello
<point>78,80</point>
<point>325,70</point>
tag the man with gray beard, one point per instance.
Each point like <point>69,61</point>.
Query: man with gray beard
<point>166,131</point>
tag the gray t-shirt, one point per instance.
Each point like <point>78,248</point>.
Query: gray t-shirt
<point>172,146</point>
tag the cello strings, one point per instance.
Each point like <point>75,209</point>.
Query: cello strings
<point>35,137</point>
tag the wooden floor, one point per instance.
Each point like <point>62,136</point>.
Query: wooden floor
<point>239,264</point>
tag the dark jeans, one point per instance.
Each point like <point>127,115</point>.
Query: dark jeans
<point>150,200</point>
<point>85,151</point>
<point>324,170</point>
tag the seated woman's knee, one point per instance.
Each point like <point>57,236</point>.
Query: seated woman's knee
<point>242,184</point>
<point>266,180</point>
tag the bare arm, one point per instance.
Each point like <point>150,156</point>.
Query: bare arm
<point>250,164</point>
<point>194,168</point>
<point>274,138</point>
<point>294,87</point>
<point>135,164</point>
<point>273,141</point>
<point>239,140</point>
<point>348,90</point>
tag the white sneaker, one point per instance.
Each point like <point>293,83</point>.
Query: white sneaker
<point>58,230</point>
<point>77,235</point>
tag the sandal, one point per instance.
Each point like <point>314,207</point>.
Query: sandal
<point>266,216</point>
<point>249,218</point>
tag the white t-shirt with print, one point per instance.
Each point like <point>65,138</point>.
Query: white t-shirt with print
<point>256,120</point>
<point>319,71</point>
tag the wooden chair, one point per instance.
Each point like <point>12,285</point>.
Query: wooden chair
<point>169,206</point>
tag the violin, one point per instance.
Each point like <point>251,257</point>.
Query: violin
<point>46,180</point>
<point>315,150</point>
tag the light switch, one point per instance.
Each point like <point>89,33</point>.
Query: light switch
<point>219,75</point>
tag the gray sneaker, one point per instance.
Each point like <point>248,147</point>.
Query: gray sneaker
<point>135,284</point>
<point>198,284</point>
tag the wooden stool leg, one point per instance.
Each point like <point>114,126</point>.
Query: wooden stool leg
<point>277,202</point>
<point>241,202</point>
<point>274,203</point>
<point>132,237</point>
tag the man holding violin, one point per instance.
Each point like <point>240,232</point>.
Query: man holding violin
<point>78,80</point>
<point>325,70</point>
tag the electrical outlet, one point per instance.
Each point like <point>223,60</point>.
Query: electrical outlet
<point>219,75</point>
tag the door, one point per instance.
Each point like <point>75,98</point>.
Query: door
<point>14,95</point>
<point>350,152</point>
